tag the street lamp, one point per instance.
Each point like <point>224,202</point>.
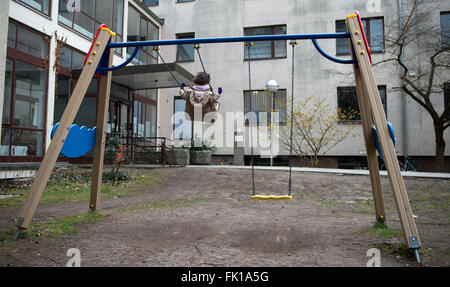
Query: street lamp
<point>272,86</point>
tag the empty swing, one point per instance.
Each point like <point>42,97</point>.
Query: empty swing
<point>274,197</point>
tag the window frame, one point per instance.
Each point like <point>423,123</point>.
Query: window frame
<point>272,44</point>
<point>143,100</point>
<point>96,23</point>
<point>49,15</point>
<point>66,71</point>
<point>184,1</point>
<point>368,19</point>
<point>179,98</point>
<point>446,95</point>
<point>187,35</point>
<point>153,5</point>
<point>281,123</point>
<point>440,26</point>
<point>147,50</point>
<point>358,121</point>
<point>15,55</point>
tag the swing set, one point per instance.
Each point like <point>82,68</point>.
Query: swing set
<point>376,129</point>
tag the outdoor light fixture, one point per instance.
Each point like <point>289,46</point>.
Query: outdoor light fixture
<point>272,86</point>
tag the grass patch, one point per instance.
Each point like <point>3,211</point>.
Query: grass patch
<point>381,230</point>
<point>434,201</point>
<point>62,226</point>
<point>333,203</point>
<point>396,249</point>
<point>142,181</point>
<point>74,185</point>
<point>363,206</point>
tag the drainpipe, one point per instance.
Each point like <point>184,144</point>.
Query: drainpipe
<point>404,112</point>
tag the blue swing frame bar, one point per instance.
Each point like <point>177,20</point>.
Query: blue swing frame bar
<point>245,39</point>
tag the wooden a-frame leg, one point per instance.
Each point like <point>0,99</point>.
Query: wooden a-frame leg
<point>372,160</point>
<point>387,147</point>
<point>100,136</point>
<point>52,153</point>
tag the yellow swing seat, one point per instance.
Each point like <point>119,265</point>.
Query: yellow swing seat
<point>272,197</point>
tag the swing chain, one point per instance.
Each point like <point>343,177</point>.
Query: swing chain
<point>197,48</point>
<point>157,48</point>
<point>293,43</point>
<point>249,45</point>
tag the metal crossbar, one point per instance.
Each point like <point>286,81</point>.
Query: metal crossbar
<point>229,40</point>
<point>246,39</point>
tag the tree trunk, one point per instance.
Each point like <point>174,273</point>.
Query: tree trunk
<point>440,147</point>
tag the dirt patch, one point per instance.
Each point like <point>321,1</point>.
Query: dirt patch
<point>205,217</point>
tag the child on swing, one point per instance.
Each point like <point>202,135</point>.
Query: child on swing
<point>200,93</point>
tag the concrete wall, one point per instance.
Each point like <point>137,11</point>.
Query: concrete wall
<point>315,75</point>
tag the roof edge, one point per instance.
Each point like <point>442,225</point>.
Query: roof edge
<point>157,18</point>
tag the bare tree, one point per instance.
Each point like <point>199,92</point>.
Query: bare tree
<point>316,128</point>
<point>422,52</point>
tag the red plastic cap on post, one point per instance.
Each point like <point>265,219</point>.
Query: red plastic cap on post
<point>364,35</point>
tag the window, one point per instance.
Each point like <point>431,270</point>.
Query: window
<point>348,102</point>
<point>145,113</point>
<point>182,125</point>
<point>73,59</point>
<point>266,49</point>
<point>7,94</point>
<point>446,96</point>
<point>30,43</point>
<point>25,94</point>
<point>374,29</point>
<point>445,29</point>
<point>119,115</point>
<point>150,2</point>
<point>29,98</point>
<point>39,5</point>
<point>93,14</point>
<point>185,52</point>
<point>259,101</point>
<point>141,29</point>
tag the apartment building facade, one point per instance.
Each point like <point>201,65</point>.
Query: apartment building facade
<point>314,75</point>
<point>38,81</point>
<point>46,44</point>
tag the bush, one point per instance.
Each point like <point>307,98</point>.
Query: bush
<point>114,153</point>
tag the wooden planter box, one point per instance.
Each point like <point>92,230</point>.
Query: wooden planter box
<point>200,157</point>
<point>178,157</point>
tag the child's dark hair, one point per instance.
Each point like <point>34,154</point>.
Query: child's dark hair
<point>201,78</point>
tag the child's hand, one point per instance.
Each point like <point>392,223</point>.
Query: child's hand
<point>182,85</point>
<point>220,90</point>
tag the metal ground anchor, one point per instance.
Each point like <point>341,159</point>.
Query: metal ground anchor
<point>417,255</point>
<point>415,246</point>
<point>19,228</point>
<point>16,236</point>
